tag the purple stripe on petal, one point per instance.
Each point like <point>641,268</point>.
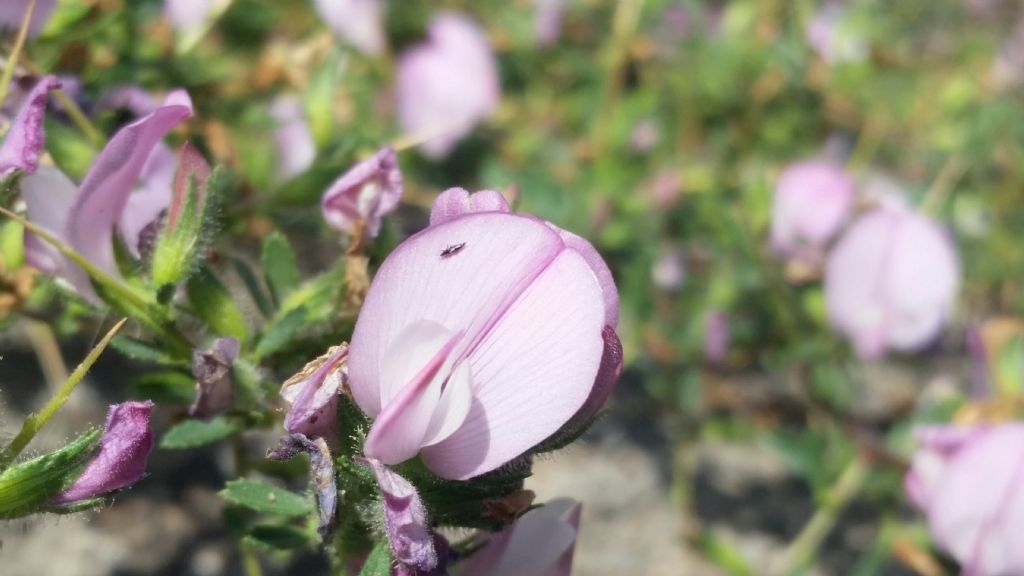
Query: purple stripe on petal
<point>24,142</point>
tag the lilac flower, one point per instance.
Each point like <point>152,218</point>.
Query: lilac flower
<point>446,85</point>
<point>547,20</point>
<point>364,194</point>
<point>830,35</point>
<point>212,371</point>
<point>358,22</point>
<point>644,137</point>
<point>12,12</point>
<point>293,141</point>
<point>480,337</point>
<point>540,543</point>
<point>86,217</point>
<point>124,449</point>
<point>716,337</point>
<point>313,394</point>
<point>23,144</point>
<point>669,270</point>
<point>969,482</point>
<point>405,519</point>
<point>812,200</point>
<point>130,97</point>
<point>188,15</point>
<point>891,280</point>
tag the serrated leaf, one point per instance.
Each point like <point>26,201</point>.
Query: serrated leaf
<point>279,267</point>
<point>278,537</point>
<point>215,306</point>
<point>195,433</point>
<point>379,561</point>
<point>26,487</point>
<point>166,386</point>
<point>265,497</point>
<point>280,332</point>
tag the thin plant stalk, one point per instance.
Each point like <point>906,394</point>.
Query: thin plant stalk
<point>47,350</point>
<point>19,43</point>
<point>35,422</point>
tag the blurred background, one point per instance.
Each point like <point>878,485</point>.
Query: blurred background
<point>757,428</point>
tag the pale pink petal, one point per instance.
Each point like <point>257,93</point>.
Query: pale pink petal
<point>23,143</point>
<point>405,520</point>
<point>811,202</point>
<point>399,430</point>
<point>358,22</point>
<point>531,373</point>
<point>364,193</point>
<point>455,202</point>
<point>547,20</point>
<point>48,196</point>
<point>453,407</point>
<point>294,146</point>
<point>12,12</point>
<point>313,395</point>
<point>151,197</point>
<point>104,192</point>
<point>601,272</point>
<point>186,15</point>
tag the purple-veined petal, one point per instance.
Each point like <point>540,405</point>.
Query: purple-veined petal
<point>405,519</point>
<point>124,449</point>
<point>48,196</point>
<point>455,202</point>
<point>105,191</point>
<point>447,84</point>
<point>540,543</point>
<point>23,143</point>
<point>452,407</point>
<point>365,193</point>
<point>294,146</point>
<point>358,22</point>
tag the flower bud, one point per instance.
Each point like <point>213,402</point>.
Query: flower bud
<point>364,194</point>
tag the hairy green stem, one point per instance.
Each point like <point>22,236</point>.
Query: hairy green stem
<point>35,422</point>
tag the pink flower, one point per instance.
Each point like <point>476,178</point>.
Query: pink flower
<point>364,194</point>
<point>540,543</point>
<point>405,520</point>
<point>669,270</point>
<point>890,281</point>
<point>480,337</point>
<point>86,217</point>
<point>124,449</point>
<point>830,34</point>
<point>189,15</point>
<point>969,482</point>
<point>293,141</point>
<point>716,337</point>
<point>446,85</point>
<point>23,144</point>
<point>812,200</point>
<point>12,12</point>
<point>547,20</point>
<point>358,22</point>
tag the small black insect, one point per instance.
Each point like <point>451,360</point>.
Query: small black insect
<point>452,250</point>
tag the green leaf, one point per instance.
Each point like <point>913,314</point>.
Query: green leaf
<point>379,561</point>
<point>165,387</point>
<point>215,306</point>
<point>194,433</point>
<point>252,284</point>
<point>137,349</point>
<point>265,497</point>
<point>26,487</point>
<point>278,537</point>
<point>280,332</point>
<point>279,266</point>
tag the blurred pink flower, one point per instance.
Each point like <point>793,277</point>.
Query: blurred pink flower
<point>811,202</point>
<point>294,146</point>
<point>547,20</point>
<point>23,143</point>
<point>645,136</point>
<point>891,280</point>
<point>830,35</point>
<point>669,270</point>
<point>124,449</point>
<point>716,337</point>
<point>446,85</point>
<point>358,22</point>
<point>12,12</point>
<point>480,337</point>
<point>364,194</point>
<point>540,543</point>
<point>969,482</point>
<point>127,188</point>
<point>188,15</point>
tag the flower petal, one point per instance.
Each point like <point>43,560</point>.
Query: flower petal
<point>405,519</point>
<point>601,272</point>
<point>48,196</point>
<point>149,200</point>
<point>455,202</point>
<point>365,193</point>
<point>104,192</point>
<point>23,143</point>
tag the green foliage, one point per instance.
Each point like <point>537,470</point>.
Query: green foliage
<point>379,561</point>
<point>278,537</point>
<point>28,486</point>
<point>195,433</point>
<point>215,306</point>
<point>263,497</point>
<point>282,273</point>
